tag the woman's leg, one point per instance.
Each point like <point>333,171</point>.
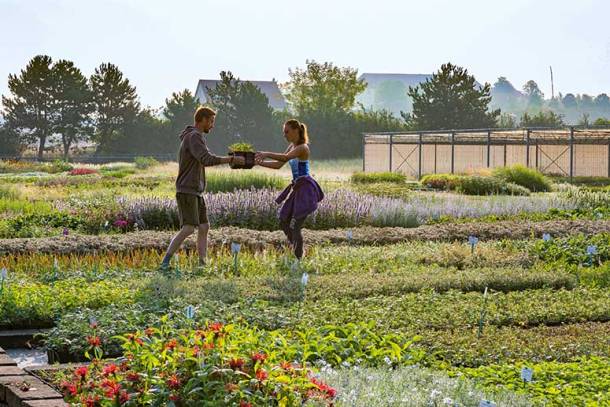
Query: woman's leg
<point>297,236</point>
<point>285,225</point>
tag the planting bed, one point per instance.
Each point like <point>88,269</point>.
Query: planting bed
<point>422,299</point>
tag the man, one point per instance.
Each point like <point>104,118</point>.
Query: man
<point>194,156</point>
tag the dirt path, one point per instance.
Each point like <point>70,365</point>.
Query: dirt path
<point>262,239</point>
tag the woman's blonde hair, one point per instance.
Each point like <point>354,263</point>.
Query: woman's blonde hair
<point>295,124</point>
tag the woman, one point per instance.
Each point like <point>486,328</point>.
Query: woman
<point>302,196</point>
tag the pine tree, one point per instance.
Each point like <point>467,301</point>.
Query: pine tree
<point>116,104</point>
<point>29,110</point>
<point>451,99</point>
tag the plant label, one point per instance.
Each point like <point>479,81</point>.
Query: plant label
<point>527,374</point>
<point>546,237</point>
<point>487,403</point>
<point>473,240</point>
<point>350,235</point>
<point>235,247</point>
<point>592,250</point>
<point>92,321</point>
<point>190,312</point>
<point>3,274</point>
<point>304,279</point>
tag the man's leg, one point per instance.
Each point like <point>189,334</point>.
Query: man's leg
<point>176,242</point>
<point>202,243</point>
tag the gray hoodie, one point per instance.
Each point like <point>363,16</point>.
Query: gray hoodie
<point>193,157</point>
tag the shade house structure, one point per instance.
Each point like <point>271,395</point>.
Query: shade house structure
<point>568,152</point>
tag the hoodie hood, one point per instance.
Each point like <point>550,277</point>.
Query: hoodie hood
<point>187,130</point>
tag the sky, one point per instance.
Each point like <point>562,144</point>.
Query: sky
<point>166,46</point>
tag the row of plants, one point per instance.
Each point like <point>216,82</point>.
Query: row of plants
<point>582,382</point>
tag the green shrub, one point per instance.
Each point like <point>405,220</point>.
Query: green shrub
<point>58,166</point>
<point>225,181</point>
<point>445,182</point>
<point>529,178</point>
<point>376,177</point>
<point>143,163</point>
<point>479,185</point>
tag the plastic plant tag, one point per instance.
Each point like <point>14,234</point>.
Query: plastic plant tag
<point>3,274</point>
<point>487,403</point>
<point>350,235</point>
<point>55,263</point>
<point>591,250</point>
<point>527,374</point>
<point>235,247</point>
<point>546,237</point>
<point>189,311</point>
<point>295,266</point>
<point>304,279</point>
<point>92,321</point>
<point>473,240</point>
<point>485,293</point>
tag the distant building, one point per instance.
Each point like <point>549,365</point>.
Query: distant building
<point>269,88</point>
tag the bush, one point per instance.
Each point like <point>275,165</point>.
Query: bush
<point>143,163</point>
<point>8,192</point>
<point>224,181</point>
<point>59,166</point>
<point>375,177</point>
<point>445,182</point>
<point>477,185</point>
<point>529,178</point>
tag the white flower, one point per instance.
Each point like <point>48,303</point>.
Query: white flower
<point>387,361</point>
<point>434,394</point>
<point>447,401</point>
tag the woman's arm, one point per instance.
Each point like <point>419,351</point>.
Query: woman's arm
<point>275,165</point>
<point>295,152</point>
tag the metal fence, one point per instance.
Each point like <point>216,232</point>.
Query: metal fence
<point>570,151</point>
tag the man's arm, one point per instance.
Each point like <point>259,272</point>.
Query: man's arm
<point>200,151</point>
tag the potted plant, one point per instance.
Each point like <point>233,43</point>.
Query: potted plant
<point>245,150</point>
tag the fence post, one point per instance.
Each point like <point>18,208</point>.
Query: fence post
<point>488,148</point>
<point>537,154</point>
<point>608,158</point>
<point>391,144</point>
<point>435,169</point>
<point>363,152</point>
<point>571,153</point>
<point>527,148</point>
<point>419,159</point>
<point>452,152</point>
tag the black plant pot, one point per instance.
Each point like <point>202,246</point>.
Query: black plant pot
<point>248,156</point>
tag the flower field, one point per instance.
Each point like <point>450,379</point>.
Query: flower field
<point>419,298</point>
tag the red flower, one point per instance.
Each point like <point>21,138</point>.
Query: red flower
<point>111,388</point>
<point>236,363</point>
<point>81,372</point>
<point>324,388</point>
<point>133,377</point>
<point>110,369</point>
<point>286,365</point>
<point>171,344</point>
<point>149,332</point>
<point>174,397</point>
<point>124,397</point>
<point>135,339</point>
<point>259,357</point>
<point>69,388</point>
<point>216,326</point>
<point>261,374</point>
<point>94,341</point>
<point>173,382</point>
<point>196,351</point>
<point>244,404</point>
<point>91,401</point>
<point>208,346</point>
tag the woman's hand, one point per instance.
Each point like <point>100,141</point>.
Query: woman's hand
<point>260,156</point>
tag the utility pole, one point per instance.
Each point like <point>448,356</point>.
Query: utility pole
<point>552,85</point>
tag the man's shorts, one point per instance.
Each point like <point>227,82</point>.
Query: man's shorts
<point>191,209</point>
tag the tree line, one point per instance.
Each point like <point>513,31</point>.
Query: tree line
<point>53,104</point>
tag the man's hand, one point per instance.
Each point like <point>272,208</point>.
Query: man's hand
<point>239,160</point>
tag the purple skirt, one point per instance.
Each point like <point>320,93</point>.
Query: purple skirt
<point>300,198</point>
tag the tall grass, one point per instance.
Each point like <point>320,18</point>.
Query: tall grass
<point>229,181</point>
<point>376,177</point>
<point>529,178</point>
